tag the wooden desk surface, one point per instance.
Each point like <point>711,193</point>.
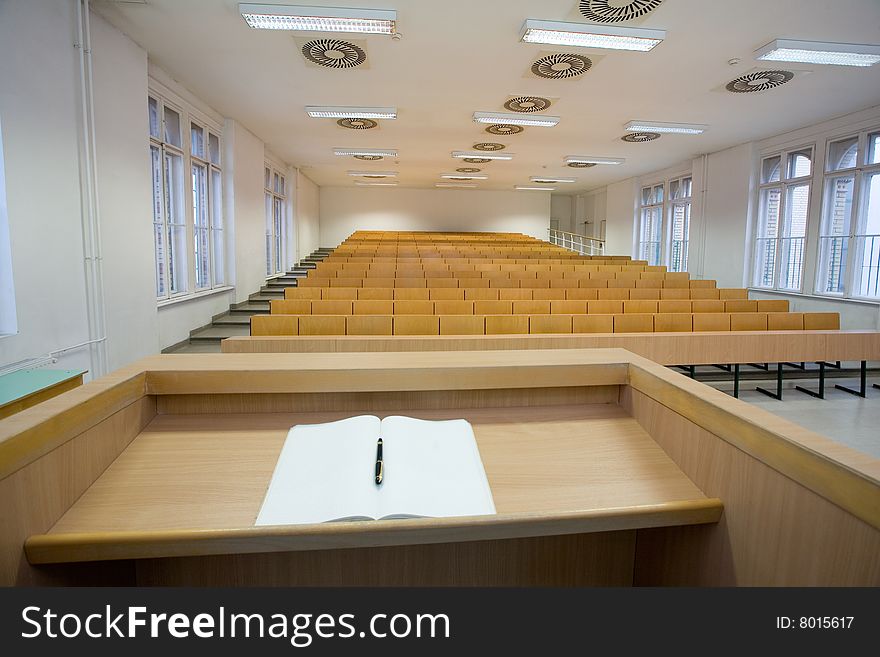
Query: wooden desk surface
<point>193,484</point>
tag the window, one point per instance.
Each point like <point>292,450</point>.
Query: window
<point>783,210</point>
<point>651,224</point>
<point>187,219</point>
<point>276,220</point>
<point>679,222</point>
<point>849,236</point>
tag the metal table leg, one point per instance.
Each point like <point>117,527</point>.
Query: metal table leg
<point>778,393</point>
<point>863,383</point>
<point>813,393</point>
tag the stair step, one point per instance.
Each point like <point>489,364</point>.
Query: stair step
<point>217,333</point>
<point>250,308</point>
<point>202,347</point>
<point>274,292</point>
<point>265,297</point>
<point>239,319</point>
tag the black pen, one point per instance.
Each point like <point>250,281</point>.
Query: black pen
<point>380,467</point>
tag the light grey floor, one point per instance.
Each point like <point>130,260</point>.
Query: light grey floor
<point>848,419</point>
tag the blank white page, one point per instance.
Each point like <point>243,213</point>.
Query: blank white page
<point>432,468</point>
<point>324,472</point>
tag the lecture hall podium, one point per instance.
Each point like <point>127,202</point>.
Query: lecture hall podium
<point>606,469</point>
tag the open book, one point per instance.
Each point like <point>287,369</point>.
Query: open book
<point>327,472</point>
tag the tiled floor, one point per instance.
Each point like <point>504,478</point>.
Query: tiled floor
<point>845,418</point>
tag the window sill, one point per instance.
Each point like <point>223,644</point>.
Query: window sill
<point>198,295</point>
<point>818,297</point>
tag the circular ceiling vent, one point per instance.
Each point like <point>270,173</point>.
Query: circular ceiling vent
<point>357,124</point>
<point>527,104</point>
<point>559,66</point>
<point>368,158</point>
<point>488,146</point>
<point>617,11</point>
<point>639,137</point>
<point>476,160</point>
<point>759,81</point>
<point>334,53</point>
<point>504,129</point>
<point>468,170</point>
<point>581,165</point>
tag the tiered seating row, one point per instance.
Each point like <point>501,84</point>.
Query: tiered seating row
<point>590,293</point>
<point>406,324</point>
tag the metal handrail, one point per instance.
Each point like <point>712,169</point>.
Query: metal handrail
<point>583,244</point>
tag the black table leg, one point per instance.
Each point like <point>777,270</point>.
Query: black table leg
<point>863,383</point>
<point>813,393</point>
<point>778,393</point>
<point>736,380</point>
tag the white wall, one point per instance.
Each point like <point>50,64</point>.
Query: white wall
<point>38,75</point>
<point>562,210</point>
<point>620,199</point>
<point>345,210</point>
<point>123,170</point>
<point>308,218</point>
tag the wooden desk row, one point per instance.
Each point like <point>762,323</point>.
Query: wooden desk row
<point>690,295</point>
<point>503,282</point>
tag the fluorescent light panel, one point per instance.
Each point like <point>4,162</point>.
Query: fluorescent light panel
<point>817,52</point>
<point>336,112</point>
<point>538,179</point>
<point>319,19</point>
<point>589,159</point>
<point>461,185</point>
<point>365,151</point>
<point>464,176</point>
<point>587,35</point>
<point>372,184</point>
<point>525,188</point>
<point>538,120</point>
<point>386,174</point>
<point>462,155</point>
<point>673,128</point>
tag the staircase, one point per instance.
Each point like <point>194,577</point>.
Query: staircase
<point>236,321</point>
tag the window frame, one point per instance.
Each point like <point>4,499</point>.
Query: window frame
<point>276,219</point>
<point>666,207</point>
<point>784,184</point>
<point>682,201</point>
<point>658,209</point>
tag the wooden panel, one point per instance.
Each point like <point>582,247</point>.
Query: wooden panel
<point>446,282</point>
<point>378,282</point>
<point>568,307</point>
<point>321,325</point>
<point>480,294</point>
<point>674,306</point>
<point>650,284</point>
<point>516,294</point>
<point>35,496</point>
<point>703,293</point>
<point>446,294</point>
<point>707,306</point>
<point>773,305</point>
<point>502,283</point>
<point>507,324</point>
<point>412,294</point>
<point>592,323</point>
<point>369,324</point>
<point>550,324</point>
<point>818,321</point>
<point>633,323</point>
<point>593,282</point>
<point>785,321</point>
<point>291,307</point>
<point>701,284</point>
<point>413,307</point>
<point>644,294</point>
<point>23,399</point>
<point>774,531</point>
<point>453,308</point>
<point>462,324</point>
<point>640,307</point>
<point>536,283</point>
<point>673,322</point>
<point>274,325</point>
<point>605,307</point>
<point>344,282</point>
<point>733,293</point>
<point>493,307</point>
<point>302,293</point>
<point>740,306</point>
<point>711,322</point>
<point>674,293</point>
<point>748,321</point>
<point>550,294</point>
<point>373,307</point>
<point>582,294</point>
<point>577,560</point>
<point>541,307</point>
<point>410,282</point>
<point>675,284</point>
<point>416,324</point>
<point>337,293</point>
<point>617,293</point>
<point>331,307</point>
<point>375,294</point>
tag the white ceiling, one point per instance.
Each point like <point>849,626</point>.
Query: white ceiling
<point>459,56</point>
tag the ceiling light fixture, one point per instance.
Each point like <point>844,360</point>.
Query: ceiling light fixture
<point>543,179</point>
<point>538,120</point>
<point>817,52</point>
<point>464,176</point>
<point>319,19</point>
<point>379,152</point>
<point>673,128</point>
<point>587,35</point>
<point>460,185</point>
<point>373,174</point>
<point>465,155</point>
<point>589,159</point>
<point>525,188</point>
<point>319,112</point>
<point>374,184</point>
